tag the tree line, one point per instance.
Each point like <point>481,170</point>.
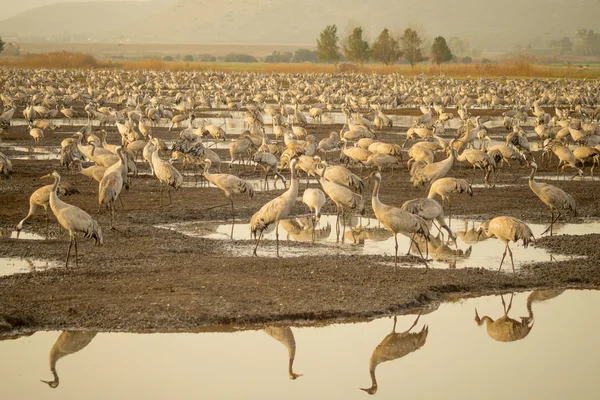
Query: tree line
<point>387,48</point>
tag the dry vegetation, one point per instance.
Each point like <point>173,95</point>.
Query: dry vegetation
<point>518,67</point>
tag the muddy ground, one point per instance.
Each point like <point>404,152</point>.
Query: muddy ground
<point>153,279</point>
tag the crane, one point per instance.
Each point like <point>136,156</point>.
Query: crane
<point>507,229</point>
<point>73,219</point>
<point>398,221</point>
<point>275,210</point>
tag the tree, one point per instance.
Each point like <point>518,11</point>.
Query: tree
<point>1,45</point>
<point>458,46</point>
<point>386,49</point>
<point>304,55</point>
<point>589,42</point>
<point>440,52</point>
<point>563,46</point>
<point>356,48</point>
<point>412,46</point>
<point>327,45</point>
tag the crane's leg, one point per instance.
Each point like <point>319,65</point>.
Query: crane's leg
<point>413,325</point>
<point>76,255</point>
<point>112,215</point>
<point>396,256</point>
<point>169,192</point>
<point>503,255</point>
<point>232,218</point>
<point>161,194</point>
<point>343,224</point>
<point>337,225</point>
<point>552,221</point>
<point>412,240</point>
<point>314,223</point>
<point>257,241</point>
<point>420,252</point>
<point>69,251</point>
<point>277,236</point>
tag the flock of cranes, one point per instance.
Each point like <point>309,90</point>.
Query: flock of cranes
<point>148,99</point>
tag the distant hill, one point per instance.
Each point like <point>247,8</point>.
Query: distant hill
<point>93,19</point>
<point>496,24</point>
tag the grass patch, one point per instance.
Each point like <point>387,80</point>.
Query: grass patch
<point>515,68</point>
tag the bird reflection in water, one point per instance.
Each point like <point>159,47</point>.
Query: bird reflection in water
<point>470,236</point>
<point>302,229</point>
<point>68,342</point>
<point>285,336</point>
<point>394,346</point>
<point>439,250</point>
<point>506,329</point>
<point>361,233</point>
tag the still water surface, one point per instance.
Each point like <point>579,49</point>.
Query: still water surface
<point>553,355</point>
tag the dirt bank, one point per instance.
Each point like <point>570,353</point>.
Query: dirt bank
<point>147,278</point>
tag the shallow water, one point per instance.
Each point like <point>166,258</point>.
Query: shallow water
<point>14,265</point>
<point>558,358</point>
<point>367,236</point>
<point>33,152</point>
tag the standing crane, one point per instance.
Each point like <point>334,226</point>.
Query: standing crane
<point>552,196</point>
<point>314,199</point>
<point>165,172</point>
<point>429,210</point>
<point>229,184</point>
<point>507,229</point>
<point>73,219</point>
<point>342,197</point>
<point>398,221</point>
<point>275,210</point>
<point>445,186</point>
<point>422,173</point>
<point>110,187</point>
<point>41,197</point>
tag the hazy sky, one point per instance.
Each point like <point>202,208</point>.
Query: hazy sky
<point>494,26</point>
<point>14,7</point>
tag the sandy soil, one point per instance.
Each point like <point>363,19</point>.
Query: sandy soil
<point>152,279</point>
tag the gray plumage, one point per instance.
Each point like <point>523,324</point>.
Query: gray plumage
<point>552,196</point>
<point>507,229</point>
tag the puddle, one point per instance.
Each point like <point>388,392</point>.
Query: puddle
<point>13,265</point>
<point>334,360</point>
<point>24,235</point>
<point>33,152</point>
<point>566,177</point>
<point>257,184</point>
<point>366,236</point>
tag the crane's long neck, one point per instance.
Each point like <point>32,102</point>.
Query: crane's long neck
<point>485,319</point>
<point>373,388</point>
<point>375,197</point>
<point>291,347</point>
<point>54,383</point>
<point>533,185</point>
<point>293,189</point>
<point>55,202</point>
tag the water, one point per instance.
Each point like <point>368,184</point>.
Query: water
<point>14,265</point>
<point>257,184</point>
<point>33,152</point>
<point>365,236</point>
<point>557,359</point>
